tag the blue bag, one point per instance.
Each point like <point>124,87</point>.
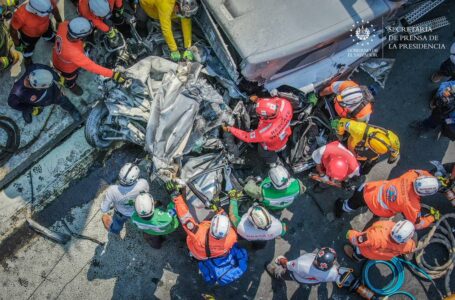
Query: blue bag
<point>226,269</point>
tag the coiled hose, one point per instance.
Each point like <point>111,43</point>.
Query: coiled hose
<point>442,234</point>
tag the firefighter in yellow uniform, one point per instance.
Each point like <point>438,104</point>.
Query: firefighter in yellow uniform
<point>8,55</point>
<point>166,11</point>
<point>368,142</point>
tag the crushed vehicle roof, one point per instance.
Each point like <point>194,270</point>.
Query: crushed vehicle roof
<point>262,30</point>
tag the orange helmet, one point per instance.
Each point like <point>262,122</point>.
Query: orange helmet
<point>266,108</point>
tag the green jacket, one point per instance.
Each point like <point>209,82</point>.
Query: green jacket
<point>162,222</point>
<point>272,198</point>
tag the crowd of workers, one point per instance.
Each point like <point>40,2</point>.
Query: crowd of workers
<point>346,161</point>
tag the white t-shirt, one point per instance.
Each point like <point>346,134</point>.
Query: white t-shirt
<point>304,271</point>
<point>250,233</point>
<point>122,197</point>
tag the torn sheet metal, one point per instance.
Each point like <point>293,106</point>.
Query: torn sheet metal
<point>378,68</point>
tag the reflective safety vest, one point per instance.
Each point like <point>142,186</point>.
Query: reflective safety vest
<point>274,199</point>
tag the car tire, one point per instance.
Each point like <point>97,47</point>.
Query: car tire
<point>94,121</point>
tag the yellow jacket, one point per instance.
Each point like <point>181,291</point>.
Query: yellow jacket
<point>360,147</point>
<point>164,11</point>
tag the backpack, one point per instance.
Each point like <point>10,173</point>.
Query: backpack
<point>226,269</point>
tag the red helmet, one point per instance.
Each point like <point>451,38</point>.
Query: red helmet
<point>337,168</point>
<point>266,108</point>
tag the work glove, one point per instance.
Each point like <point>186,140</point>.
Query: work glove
<point>118,77</point>
<point>235,194</point>
<point>225,127</point>
<point>175,56</point>
<point>112,33</point>
<point>188,55</point>
<point>172,188</point>
<point>4,62</point>
<point>334,123</point>
<point>313,99</point>
<point>10,3</point>
<point>37,110</point>
<point>20,47</point>
<point>118,13</point>
<point>435,213</point>
<point>254,98</point>
<point>391,160</point>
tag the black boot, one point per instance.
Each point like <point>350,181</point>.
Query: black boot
<point>76,90</point>
<point>27,116</point>
<point>339,208</point>
<point>66,104</point>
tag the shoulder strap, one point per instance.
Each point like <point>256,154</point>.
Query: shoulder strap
<point>207,245</point>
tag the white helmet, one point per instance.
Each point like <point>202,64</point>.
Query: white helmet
<point>144,205</point>
<point>259,217</point>
<point>79,28</point>
<point>351,96</point>
<point>219,227</point>
<point>280,177</point>
<point>40,8</point>
<point>403,231</point>
<point>99,8</point>
<point>187,8</point>
<point>426,185</point>
<point>41,78</point>
<point>129,174</point>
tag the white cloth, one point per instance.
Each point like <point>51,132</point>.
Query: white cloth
<point>250,233</point>
<point>304,271</point>
<point>122,198</point>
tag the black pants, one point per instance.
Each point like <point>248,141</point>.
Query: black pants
<point>447,68</point>
<point>367,165</point>
<point>30,42</point>
<point>70,78</point>
<point>436,118</point>
<point>356,201</point>
<point>271,157</point>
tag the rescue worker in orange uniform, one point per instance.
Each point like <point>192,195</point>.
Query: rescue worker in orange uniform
<point>30,22</point>
<point>275,115</point>
<point>97,11</point>
<point>68,54</point>
<point>352,101</point>
<point>208,239</point>
<point>386,198</point>
<point>384,240</point>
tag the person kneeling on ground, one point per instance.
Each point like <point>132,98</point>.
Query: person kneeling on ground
<point>335,163</point>
<point>309,268</point>
<point>274,129</point>
<point>386,198</point>
<point>447,68</point>
<point>208,239</point>
<point>277,191</point>
<point>384,240</point>
<point>257,224</point>
<point>155,222</point>
<point>122,197</point>
<point>38,88</point>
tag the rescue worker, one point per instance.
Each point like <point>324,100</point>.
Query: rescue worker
<point>8,54</point>
<point>121,197</point>
<point>384,240</point>
<point>68,54</point>
<point>208,239</point>
<point>38,88</point>
<point>273,130</point>
<point>447,68</point>
<point>310,268</point>
<point>442,104</point>
<point>257,224</point>
<point>30,22</point>
<point>368,142</point>
<point>386,198</point>
<point>155,222</point>
<point>166,11</point>
<point>98,11</point>
<point>351,100</point>
<point>277,191</point>
<point>335,162</point>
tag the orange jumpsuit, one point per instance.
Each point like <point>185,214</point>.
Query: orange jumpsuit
<point>197,235</point>
<point>386,198</point>
<point>84,11</point>
<point>376,242</point>
<point>337,87</point>
<point>68,56</point>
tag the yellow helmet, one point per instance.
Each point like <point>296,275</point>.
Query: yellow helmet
<point>379,142</point>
